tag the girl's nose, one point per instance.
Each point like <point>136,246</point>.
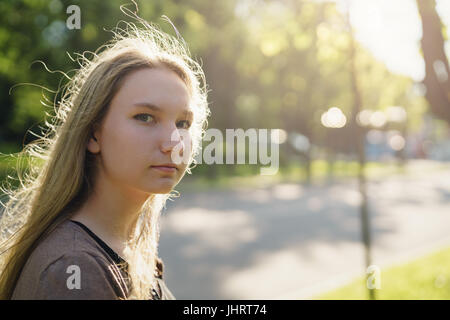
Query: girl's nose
<point>171,140</point>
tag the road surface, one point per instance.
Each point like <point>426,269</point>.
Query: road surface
<point>290,241</point>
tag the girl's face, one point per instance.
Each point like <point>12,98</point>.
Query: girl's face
<point>142,128</point>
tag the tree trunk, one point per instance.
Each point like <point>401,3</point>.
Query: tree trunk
<point>360,143</point>
<point>436,63</point>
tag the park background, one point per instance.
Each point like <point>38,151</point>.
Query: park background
<point>360,95</point>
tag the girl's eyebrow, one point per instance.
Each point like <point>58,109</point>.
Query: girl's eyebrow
<point>187,113</point>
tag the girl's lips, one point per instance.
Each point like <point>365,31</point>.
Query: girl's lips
<point>165,169</point>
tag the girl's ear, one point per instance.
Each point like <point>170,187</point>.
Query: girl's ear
<point>94,142</point>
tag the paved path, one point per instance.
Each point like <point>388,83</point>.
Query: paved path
<point>291,241</point>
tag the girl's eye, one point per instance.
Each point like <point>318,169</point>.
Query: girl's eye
<point>145,117</point>
<point>184,124</point>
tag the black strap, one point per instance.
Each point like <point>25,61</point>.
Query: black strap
<point>116,258</point>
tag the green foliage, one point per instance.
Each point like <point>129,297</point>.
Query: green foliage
<point>272,65</point>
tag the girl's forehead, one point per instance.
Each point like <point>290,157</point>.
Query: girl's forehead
<point>154,77</point>
<point>158,90</point>
<point>157,87</point>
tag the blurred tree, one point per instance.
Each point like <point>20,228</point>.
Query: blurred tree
<point>268,63</point>
<point>437,69</point>
<point>360,146</point>
<point>35,31</point>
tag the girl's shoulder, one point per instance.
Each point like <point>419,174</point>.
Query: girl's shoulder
<point>69,264</point>
<point>67,239</point>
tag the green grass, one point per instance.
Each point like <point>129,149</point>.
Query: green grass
<point>341,169</point>
<point>248,177</point>
<point>427,278</point>
<point>226,177</point>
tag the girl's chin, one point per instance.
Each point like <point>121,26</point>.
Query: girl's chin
<point>160,189</point>
<point>159,185</point>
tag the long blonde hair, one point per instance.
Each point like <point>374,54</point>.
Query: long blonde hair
<point>60,171</point>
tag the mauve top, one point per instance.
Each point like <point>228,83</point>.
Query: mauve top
<point>73,263</point>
